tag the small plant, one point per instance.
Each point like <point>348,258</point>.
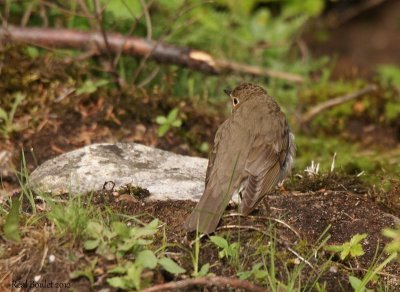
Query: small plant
<point>87,272</point>
<point>129,246</point>
<point>166,123</point>
<point>256,271</point>
<point>352,247</point>
<point>70,218</point>
<point>7,125</point>
<point>359,285</point>
<point>389,74</point>
<point>227,250</point>
<point>119,239</point>
<point>89,86</point>
<point>11,225</point>
<point>195,260</point>
<point>394,245</point>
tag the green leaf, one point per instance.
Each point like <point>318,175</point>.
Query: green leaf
<point>3,115</point>
<point>146,259</point>
<point>120,228</point>
<point>204,147</point>
<point>91,244</point>
<point>356,250</point>
<point>143,231</point>
<point>117,270</point>
<point>172,115</point>
<point>87,273</point>
<point>357,238</point>
<point>389,73</point>
<point>353,247</point>
<point>170,266</point>
<point>153,224</point>
<point>134,273</point>
<point>117,282</point>
<point>309,7</point>
<point>394,234</point>
<point>32,52</point>
<point>244,275</point>
<point>94,229</point>
<point>177,123</point>
<point>11,224</point>
<point>122,9</point>
<point>89,86</point>
<point>127,245</point>
<point>203,270</point>
<point>163,130</point>
<point>161,120</point>
<point>345,251</point>
<point>356,284</point>
<point>219,241</point>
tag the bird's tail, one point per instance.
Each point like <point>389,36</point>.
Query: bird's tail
<point>207,213</point>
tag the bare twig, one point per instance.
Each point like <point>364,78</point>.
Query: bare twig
<point>131,30</point>
<point>100,23</point>
<point>158,51</point>
<point>308,116</point>
<point>333,162</point>
<point>247,227</point>
<point>266,218</point>
<point>259,71</point>
<point>57,6</point>
<point>161,38</point>
<point>207,281</point>
<point>27,14</point>
<point>300,258</point>
<point>148,20</point>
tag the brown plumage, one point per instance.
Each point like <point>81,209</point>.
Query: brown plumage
<point>253,151</point>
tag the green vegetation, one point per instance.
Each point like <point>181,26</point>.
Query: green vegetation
<point>7,123</point>
<point>129,252</point>
<point>166,123</point>
<point>352,248</point>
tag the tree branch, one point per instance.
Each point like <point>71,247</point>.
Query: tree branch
<point>207,281</point>
<point>135,46</point>
<point>308,116</point>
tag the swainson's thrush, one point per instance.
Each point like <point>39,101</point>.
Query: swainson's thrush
<point>253,151</point>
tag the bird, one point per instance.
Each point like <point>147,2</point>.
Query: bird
<point>253,151</point>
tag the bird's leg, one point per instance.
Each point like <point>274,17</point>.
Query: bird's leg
<point>266,209</point>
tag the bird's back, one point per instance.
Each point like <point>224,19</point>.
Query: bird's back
<point>249,152</point>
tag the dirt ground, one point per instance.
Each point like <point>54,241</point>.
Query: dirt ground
<point>299,219</point>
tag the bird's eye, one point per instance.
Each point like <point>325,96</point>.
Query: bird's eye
<point>235,101</point>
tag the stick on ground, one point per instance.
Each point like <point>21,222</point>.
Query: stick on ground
<point>207,281</point>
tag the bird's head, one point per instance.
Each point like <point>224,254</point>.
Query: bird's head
<point>242,93</point>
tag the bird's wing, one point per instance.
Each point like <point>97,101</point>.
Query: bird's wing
<point>223,175</point>
<point>264,164</point>
<point>213,152</point>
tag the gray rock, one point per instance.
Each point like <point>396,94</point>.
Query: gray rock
<point>166,175</point>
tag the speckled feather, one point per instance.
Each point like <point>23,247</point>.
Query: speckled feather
<point>253,150</point>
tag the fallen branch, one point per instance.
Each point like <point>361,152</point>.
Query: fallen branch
<point>262,218</point>
<point>207,281</point>
<point>159,51</point>
<point>308,116</point>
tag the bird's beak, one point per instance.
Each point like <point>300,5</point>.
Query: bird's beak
<point>228,92</point>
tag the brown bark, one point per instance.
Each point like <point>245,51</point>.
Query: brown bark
<point>135,46</point>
